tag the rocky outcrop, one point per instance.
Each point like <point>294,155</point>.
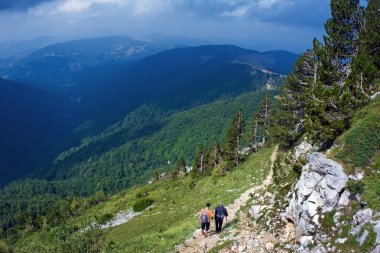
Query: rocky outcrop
<point>318,191</point>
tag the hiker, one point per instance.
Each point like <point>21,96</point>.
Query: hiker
<point>205,216</point>
<point>219,214</point>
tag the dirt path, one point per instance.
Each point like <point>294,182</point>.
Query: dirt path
<point>198,243</point>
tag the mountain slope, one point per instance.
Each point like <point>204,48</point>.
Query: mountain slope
<point>168,222</point>
<point>55,65</point>
<point>172,81</point>
<point>177,78</point>
<point>32,122</point>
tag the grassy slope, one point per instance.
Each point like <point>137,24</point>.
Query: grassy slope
<point>172,136</point>
<point>172,217</point>
<point>359,149</point>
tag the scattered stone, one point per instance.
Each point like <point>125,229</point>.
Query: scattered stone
<point>363,216</point>
<point>302,149</point>
<point>344,198</point>
<point>322,238</point>
<point>341,240</point>
<point>269,246</point>
<point>376,249</point>
<point>319,249</point>
<point>377,231</point>
<point>362,238</point>
<point>306,240</point>
<point>255,211</point>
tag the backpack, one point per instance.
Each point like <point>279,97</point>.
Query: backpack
<point>220,213</point>
<point>204,217</point>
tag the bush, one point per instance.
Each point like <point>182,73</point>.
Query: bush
<point>328,220</point>
<point>355,186</point>
<point>142,204</point>
<point>5,248</point>
<point>103,219</point>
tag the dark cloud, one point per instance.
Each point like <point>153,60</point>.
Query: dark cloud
<point>19,4</point>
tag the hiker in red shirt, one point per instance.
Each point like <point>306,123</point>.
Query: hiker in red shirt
<point>205,216</point>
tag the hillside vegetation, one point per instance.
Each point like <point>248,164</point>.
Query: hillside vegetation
<point>170,219</point>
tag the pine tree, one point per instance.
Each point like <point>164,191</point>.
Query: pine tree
<point>264,115</point>
<point>181,167</point>
<point>215,156</point>
<point>299,88</point>
<point>254,134</point>
<point>365,76</point>
<point>234,134</point>
<point>343,29</point>
<point>199,165</point>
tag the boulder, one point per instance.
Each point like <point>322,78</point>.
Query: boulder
<point>269,246</point>
<point>302,149</point>
<point>255,211</point>
<point>320,187</point>
<point>363,216</point>
<point>341,240</point>
<point>306,240</point>
<point>344,198</point>
<point>319,249</point>
<point>377,231</point>
<point>376,249</point>
<point>361,239</point>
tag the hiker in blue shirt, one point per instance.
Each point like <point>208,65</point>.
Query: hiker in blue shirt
<point>219,214</point>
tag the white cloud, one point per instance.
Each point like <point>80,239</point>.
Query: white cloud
<point>74,5</point>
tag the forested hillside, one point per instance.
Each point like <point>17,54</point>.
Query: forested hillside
<point>135,121</point>
<point>168,82</point>
<point>30,116</point>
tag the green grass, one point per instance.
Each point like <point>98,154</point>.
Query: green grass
<point>172,217</point>
<point>361,143</point>
<point>359,149</point>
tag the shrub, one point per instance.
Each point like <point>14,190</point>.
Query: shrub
<point>103,219</point>
<point>328,220</point>
<point>142,204</point>
<point>5,248</point>
<point>355,186</point>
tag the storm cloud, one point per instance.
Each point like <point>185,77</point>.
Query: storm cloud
<point>261,24</point>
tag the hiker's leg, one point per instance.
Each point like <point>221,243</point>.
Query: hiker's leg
<point>216,225</point>
<point>207,226</point>
<point>219,225</point>
<point>203,227</point>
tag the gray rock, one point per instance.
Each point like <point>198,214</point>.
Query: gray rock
<point>336,217</point>
<point>269,246</point>
<point>255,211</point>
<point>376,249</point>
<point>362,238</point>
<point>321,237</point>
<point>358,176</point>
<point>344,198</point>
<point>319,187</point>
<point>319,249</point>
<point>377,231</point>
<point>363,216</point>
<point>341,240</point>
<point>306,240</point>
<point>302,149</point>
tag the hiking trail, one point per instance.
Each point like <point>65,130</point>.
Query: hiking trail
<point>198,243</point>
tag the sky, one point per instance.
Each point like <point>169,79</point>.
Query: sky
<point>256,24</point>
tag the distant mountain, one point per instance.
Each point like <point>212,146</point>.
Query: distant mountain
<point>32,123</point>
<point>169,82</point>
<point>177,78</point>
<point>14,49</point>
<point>55,65</point>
